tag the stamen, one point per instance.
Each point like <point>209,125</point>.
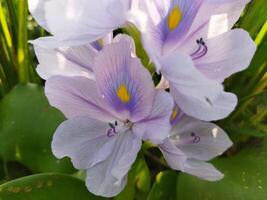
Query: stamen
<point>196,138</point>
<point>201,50</point>
<point>112,130</point>
<point>128,123</point>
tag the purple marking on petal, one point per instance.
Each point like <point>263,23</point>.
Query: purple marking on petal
<point>189,11</point>
<point>132,88</point>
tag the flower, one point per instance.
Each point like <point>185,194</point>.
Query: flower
<point>193,142</point>
<point>77,22</point>
<point>69,61</point>
<point>108,117</point>
<point>192,46</point>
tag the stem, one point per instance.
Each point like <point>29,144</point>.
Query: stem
<point>22,42</point>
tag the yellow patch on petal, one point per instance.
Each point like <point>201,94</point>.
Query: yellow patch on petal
<point>175,113</point>
<point>174,18</point>
<point>123,94</point>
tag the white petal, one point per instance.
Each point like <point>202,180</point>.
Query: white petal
<point>228,53</point>
<point>77,96</point>
<point>65,61</point>
<point>213,140</point>
<point>217,16</point>
<point>72,19</point>
<point>203,170</point>
<point>195,94</point>
<point>205,109</point>
<point>82,139</point>
<point>109,177</point>
<point>157,124</point>
<point>173,156</point>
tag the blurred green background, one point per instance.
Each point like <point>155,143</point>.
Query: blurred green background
<point>29,171</point>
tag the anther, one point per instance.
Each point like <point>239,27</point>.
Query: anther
<point>196,138</point>
<point>112,130</point>
<point>201,51</point>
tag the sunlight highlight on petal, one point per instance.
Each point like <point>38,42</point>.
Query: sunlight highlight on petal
<point>222,21</point>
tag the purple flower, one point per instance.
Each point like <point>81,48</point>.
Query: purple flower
<point>193,142</point>
<point>69,61</point>
<point>108,117</point>
<point>191,43</point>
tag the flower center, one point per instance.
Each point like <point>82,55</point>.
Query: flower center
<point>201,50</point>
<point>113,127</point>
<point>174,18</point>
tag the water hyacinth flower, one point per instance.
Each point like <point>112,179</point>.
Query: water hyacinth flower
<point>69,61</point>
<point>76,22</point>
<point>108,117</point>
<point>191,43</point>
<point>193,142</point>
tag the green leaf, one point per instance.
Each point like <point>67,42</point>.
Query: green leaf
<point>255,17</point>
<point>164,186</point>
<point>245,178</point>
<point>26,128</point>
<point>44,187</point>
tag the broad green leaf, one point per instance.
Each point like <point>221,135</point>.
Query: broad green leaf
<point>164,186</point>
<point>245,178</point>
<point>46,187</point>
<point>27,124</point>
